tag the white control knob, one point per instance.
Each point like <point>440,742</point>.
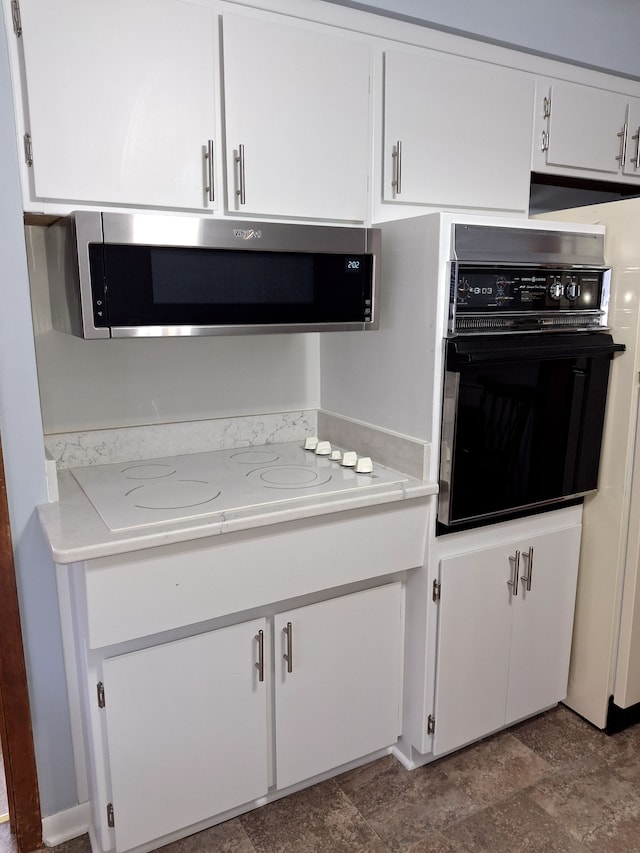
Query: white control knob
<point>364,465</point>
<point>336,456</point>
<point>311,442</point>
<point>323,448</point>
<point>349,458</point>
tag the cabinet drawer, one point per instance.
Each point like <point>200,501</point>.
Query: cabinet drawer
<point>160,589</point>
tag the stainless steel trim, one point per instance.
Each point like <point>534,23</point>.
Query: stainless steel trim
<point>288,631</point>
<point>260,663</point>
<point>77,232</point>
<point>562,500</point>
<point>622,156</point>
<point>239,159</point>
<point>203,331</point>
<point>396,183</point>
<point>496,244</point>
<point>206,232</point>
<point>513,582</point>
<point>526,577</point>
<point>209,189</point>
<point>68,240</point>
<point>447,440</point>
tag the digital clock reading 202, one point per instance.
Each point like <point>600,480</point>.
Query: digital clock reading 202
<point>353,264</point>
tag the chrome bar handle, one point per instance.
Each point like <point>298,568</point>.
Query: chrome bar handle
<point>260,663</point>
<point>396,183</point>
<point>622,156</point>
<point>526,578</point>
<point>209,158</point>
<point>289,655</point>
<point>636,159</point>
<point>241,183</point>
<point>513,583</point>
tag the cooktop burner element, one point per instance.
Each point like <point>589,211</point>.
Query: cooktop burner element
<point>148,471</point>
<point>253,457</point>
<point>291,477</point>
<point>172,494</point>
<point>180,488</point>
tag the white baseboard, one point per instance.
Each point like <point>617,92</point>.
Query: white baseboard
<point>63,826</point>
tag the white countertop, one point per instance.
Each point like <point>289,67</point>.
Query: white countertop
<point>269,486</point>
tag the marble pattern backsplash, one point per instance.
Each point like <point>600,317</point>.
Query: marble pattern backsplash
<point>100,447</point>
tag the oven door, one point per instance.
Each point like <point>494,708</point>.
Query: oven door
<point>522,423</point>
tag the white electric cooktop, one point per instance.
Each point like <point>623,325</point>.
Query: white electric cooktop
<point>179,488</point>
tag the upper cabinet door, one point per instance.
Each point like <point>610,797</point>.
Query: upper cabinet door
<point>121,100</point>
<point>456,133</point>
<point>579,129</point>
<point>296,112</point>
<point>631,165</point>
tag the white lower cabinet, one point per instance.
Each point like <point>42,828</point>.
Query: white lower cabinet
<point>188,722</point>
<point>341,699</point>
<point>503,650</point>
<point>187,731</point>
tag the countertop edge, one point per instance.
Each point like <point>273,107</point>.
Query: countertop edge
<point>99,541</point>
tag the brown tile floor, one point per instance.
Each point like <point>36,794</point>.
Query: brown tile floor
<point>551,784</point>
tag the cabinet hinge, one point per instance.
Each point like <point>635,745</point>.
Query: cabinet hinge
<point>16,17</point>
<point>28,149</point>
<point>110,818</point>
<point>431,724</point>
<point>100,689</point>
<point>437,590</point>
<point>545,141</point>
<point>546,107</point>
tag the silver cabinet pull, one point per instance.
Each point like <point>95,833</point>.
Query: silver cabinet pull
<point>241,184</point>
<point>260,663</point>
<point>622,156</point>
<point>636,159</point>
<point>396,183</point>
<point>513,582</point>
<point>526,577</point>
<point>209,158</point>
<point>289,655</point>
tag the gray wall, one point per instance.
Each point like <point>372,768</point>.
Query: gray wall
<point>21,430</point>
<point>600,34</point>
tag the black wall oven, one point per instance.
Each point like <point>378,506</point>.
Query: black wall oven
<point>527,364</point>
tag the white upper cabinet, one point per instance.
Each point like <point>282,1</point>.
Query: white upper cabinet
<point>585,132</point>
<point>457,132</point>
<point>631,164</point>
<point>296,113</point>
<point>121,100</point>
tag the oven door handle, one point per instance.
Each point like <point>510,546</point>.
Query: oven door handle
<point>489,350</point>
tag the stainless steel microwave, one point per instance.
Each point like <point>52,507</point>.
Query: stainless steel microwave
<point>121,275</point>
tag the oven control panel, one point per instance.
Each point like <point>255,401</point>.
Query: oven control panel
<point>521,298</point>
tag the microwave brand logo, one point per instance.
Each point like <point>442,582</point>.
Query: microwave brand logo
<point>247,234</point>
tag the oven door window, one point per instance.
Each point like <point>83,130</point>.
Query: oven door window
<point>525,430</point>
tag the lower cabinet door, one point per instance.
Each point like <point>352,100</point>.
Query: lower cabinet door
<point>338,689</point>
<point>474,634</point>
<point>503,651</point>
<point>187,731</point>
<point>543,623</point>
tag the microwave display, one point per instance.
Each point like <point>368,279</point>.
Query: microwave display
<point>135,285</point>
